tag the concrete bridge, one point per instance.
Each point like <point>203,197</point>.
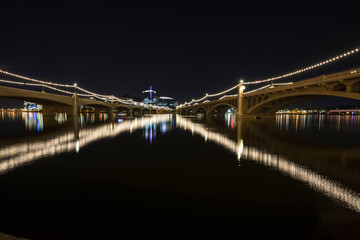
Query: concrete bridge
<point>265,102</point>
<point>69,104</point>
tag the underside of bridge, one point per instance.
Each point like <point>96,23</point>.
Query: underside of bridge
<point>71,105</point>
<point>137,112</point>
<point>48,107</point>
<point>268,106</point>
<point>266,102</point>
<point>122,111</point>
<point>271,105</point>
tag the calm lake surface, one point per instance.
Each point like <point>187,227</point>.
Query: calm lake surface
<point>169,176</point>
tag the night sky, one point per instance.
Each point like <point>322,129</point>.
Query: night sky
<point>183,51</point>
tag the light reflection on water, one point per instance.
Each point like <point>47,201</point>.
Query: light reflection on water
<point>16,155</point>
<point>61,118</point>
<point>230,119</point>
<point>13,156</point>
<point>33,121</point>
<point>321,122</point>
<point>332,189</point>
<point>152,128</point>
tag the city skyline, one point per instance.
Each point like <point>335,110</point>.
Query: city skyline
<point>214,119</point>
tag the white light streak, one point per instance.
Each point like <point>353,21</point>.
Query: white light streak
<point>334,190</point>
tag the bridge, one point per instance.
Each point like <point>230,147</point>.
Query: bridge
<point>69,104</point>
<point>60,100</point>
<point>261,102</point>
<point>264,102</point>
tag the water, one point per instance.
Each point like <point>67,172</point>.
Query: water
<point>291,177</point>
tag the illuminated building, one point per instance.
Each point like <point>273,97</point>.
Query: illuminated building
<point>149,96</point>
<point>32,106</point>
<point>166,102</point>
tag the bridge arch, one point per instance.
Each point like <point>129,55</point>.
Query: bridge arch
<point>190,111</point>
<point>355,87</point>
<point>274,103</point>
<point>137,112</point>
<point>222,104</point>
<point>123,111</point>
<point>146,111</point>
<point>200,109</point>
<point>339,87</point>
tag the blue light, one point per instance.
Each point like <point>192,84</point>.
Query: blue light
<point>163,127</point>
<point>151,135</point>
<point>150,92</point>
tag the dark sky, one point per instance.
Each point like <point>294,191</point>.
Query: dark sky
<point>183,51</point>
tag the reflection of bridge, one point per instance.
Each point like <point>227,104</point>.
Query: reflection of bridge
<point>69,104</point>
<point>31,148</point>
<point>335,190</point>
<point>26,151</point>
<point>266,101</point>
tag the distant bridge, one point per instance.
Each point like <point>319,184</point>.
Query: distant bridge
<point>266,102</point>
<point>52,102</point>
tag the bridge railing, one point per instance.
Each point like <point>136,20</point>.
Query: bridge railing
<point>272,79</point>
<point>65,89</point>
<point>342,74</point>
<point>312,81</point>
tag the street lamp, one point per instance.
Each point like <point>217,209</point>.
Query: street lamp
<point>242,87</point>
<point>75,85</point>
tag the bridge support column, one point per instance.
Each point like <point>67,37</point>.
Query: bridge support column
<point>50,109</point>
<point>75,116</point>
<point>348,88</point>
<point>240,108</point>
<point>76,128</point>
<point>111,114</point>
<point>75,111</point>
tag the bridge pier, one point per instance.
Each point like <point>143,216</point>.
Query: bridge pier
<point>111,114</point>
<point>75,110</point>
<point>240,111</point>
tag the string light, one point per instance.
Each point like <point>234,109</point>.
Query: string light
<point>102,97</point>
<point>33,79</point>
<point>306,68</point>
<point>334,190</point>
<point>268,86</point>
<point>50,84</point>
<point>44,84</point>
<point>348,53</point>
